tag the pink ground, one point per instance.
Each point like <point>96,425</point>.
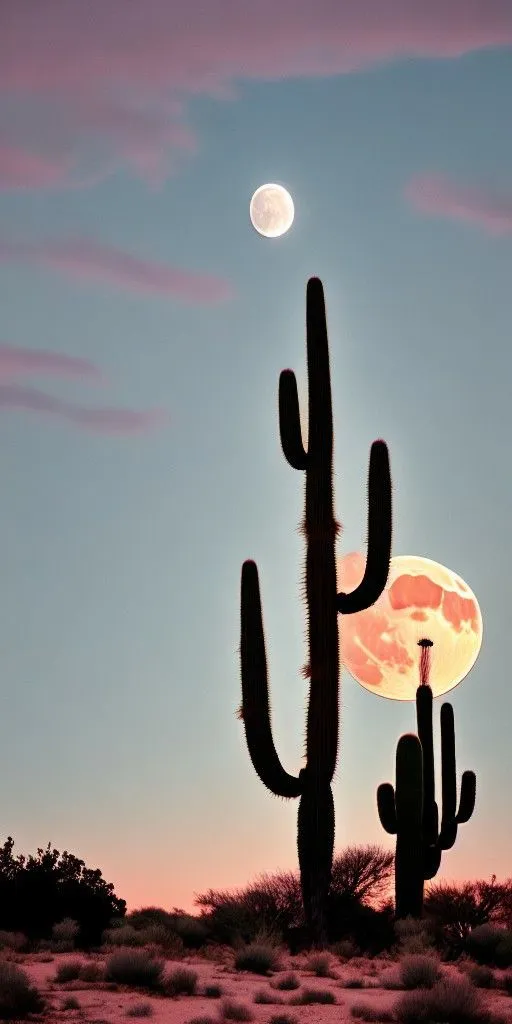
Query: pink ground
<point>100,1006</point>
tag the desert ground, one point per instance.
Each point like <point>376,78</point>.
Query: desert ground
<point>221,992</point>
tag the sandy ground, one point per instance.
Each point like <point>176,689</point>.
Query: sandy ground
<point>100,1006</point>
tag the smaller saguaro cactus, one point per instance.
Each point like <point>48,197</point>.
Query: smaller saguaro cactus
<point>410,811</point>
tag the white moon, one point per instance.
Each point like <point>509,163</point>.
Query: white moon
<point>271,210</point>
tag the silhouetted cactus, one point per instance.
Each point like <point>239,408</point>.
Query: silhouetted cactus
<point>313,785</point>
<point>420,841</point>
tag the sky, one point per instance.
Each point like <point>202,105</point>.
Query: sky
<point>144,326</point>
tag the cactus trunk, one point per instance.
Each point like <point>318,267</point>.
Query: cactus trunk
<point>319,527</point>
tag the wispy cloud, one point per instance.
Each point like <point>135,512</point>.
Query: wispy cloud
<point>121,73</point>
<point>85,260</point>
<point>437,196</point>
<point>21,169</point>
<point>15,362</point>
<point>103,421</point>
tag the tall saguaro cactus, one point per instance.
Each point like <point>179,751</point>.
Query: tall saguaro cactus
<point>313,784</point>
<point>410,810</point>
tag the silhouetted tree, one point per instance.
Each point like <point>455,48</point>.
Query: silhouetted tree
<point>456,909</point>
<point>38,891</point>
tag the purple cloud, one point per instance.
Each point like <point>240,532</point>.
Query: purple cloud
<point>121,73</point>
<point>27,361</point>
<point>436,196</point>
<point>86,260</point>
<point>22,169</point>
<point>103,421</point>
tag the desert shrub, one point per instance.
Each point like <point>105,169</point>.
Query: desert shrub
<point>265,997</point>
<point>123,935</point>
<point>18,997</point>
<point>454,910</point>
<point>213,991</point>
<point>320,964</point>
<point>308,996</point>
<point>287,982</point>
<point>418,971</point>
<point>145,917</point>
<point>482,943</point>
<point>193,932</point>
<point>449,1002</point>
<point>43,890</point>
<point>370,929</point>
<point>134,967</point>
<point>282,1018</point>
<point>481,976</point>
<point>65,930</point>
<point>13,940</point>
<point>68,971</point>
<point>359,874</point>
<point>367,1012</point>
<point>232,1010</point>
<point>203,1020</point>
<point>345,949</point>
<point>91,971</point>
<point>352,983</point>
<point>70,1003</point>
<point>391,978</point>
<point>182,982</point>
<point>414,936</point>
<point>504,950</point>
<point>140,1010</point>
<point>260,959</point>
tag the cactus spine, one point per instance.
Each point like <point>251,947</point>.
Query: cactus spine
<point>313,784</point>
<point>420,842</point>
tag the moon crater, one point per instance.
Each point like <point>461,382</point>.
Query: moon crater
<point>422,600</point>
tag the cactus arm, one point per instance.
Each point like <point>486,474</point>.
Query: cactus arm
<point>289,421</point>
<point>379,535</point>
<point>255,698</point>
<point>431,861</point>
<point>467,797</point>
<point>451,817</point>
<point>386,807</point>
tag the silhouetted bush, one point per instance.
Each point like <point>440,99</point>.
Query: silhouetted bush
<point>360,876</point>
<point>308,996</point>
<point>482,977</point>
<point>320,965</point>
<point>38,892</point>
<point>18,997</point>
<point>182,982</point>
<point>287,983</point>
<point>136,968</point>
<point>232,1010</point>
<point>484,942</point>
<point>369,1013</point>
<point>258,958</point>
<point>455,909</point>
<point>419,971</point>
<point>452,1002</point>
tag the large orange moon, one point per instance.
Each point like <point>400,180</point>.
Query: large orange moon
<point>422,600</point>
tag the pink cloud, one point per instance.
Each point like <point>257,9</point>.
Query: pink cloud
<point>121,73</point>
<point>103,421</point>
<point>22,169</point>
<point>86,260</point>
<point>435,195</point>
<point>27,361</point>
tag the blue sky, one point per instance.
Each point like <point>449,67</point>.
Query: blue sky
<point>123,543</point>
